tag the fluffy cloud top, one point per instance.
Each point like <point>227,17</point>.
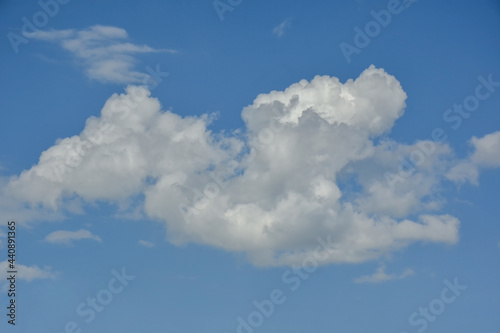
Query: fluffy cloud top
<point>67,237</point>
<point>312,162</point>
<point>120,153</point>
<point>103,50</point>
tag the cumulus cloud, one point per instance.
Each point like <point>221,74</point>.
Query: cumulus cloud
<point>311,161</point>
<point>281,28</point>
<point>380,276</point>
<point>103,50</point>
<point>486,154</point>
<point>118,155</point>
<point>27,273</point>
<point>67,237</point>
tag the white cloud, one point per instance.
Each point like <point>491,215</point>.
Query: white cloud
<point>146,243</point>
<point>66,237</point>
<point>103,51</point>
<point>27,273</point>
<point>11,208</point>
<point>380,276</point>
<point>486,150</point>
<point>486,154</point>
<point>281,28</point>
<point>465,171</point>
<point>311,162</point>
<point>119,153</point>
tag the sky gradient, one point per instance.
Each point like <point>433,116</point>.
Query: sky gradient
<point>251,166</point>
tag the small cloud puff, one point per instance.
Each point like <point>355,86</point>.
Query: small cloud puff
<point>280,29</point>
<point>380,276</point>
<point>67,237</point>
<point>146,243</point>
<point>27,273</point>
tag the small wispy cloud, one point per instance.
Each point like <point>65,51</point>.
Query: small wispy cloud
<point>146,243</point>
<point>380,276</point>
<point>67,237</point>
<point>280,29</point>
<point>46,59</point>
<point>104,52</point>
<point>27,273</point>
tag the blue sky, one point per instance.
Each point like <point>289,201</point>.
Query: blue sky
<point>316,140</point>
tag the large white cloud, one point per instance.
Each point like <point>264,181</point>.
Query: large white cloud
<point>312,162</point>
<point>116,154</point>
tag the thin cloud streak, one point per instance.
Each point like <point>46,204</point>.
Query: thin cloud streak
<point>280,29</point>
<point>103,51</point>
<point>381,276</point>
